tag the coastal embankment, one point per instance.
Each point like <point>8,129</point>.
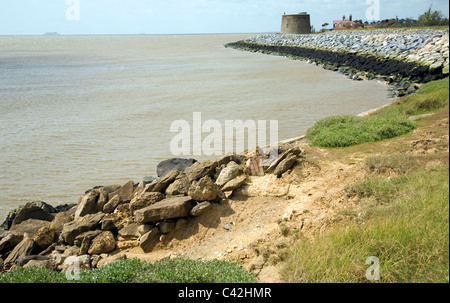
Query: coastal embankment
<point>266,218</point>
<point>403,58</point>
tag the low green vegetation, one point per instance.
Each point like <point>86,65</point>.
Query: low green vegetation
<point>430,98</point>
<point>386,123</point>
<point>342,131</point>
<point>136,271</point>
<point>409,234</point>
<point>403,216</point>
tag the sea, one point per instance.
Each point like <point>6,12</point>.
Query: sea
<point>84,111</point>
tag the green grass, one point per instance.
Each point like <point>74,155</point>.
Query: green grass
<point>342,131</point>
<point>409,235</point>
<point>136,271</point>
<point>388,122</point>
<point>404,220</point>
<point>431,97</point>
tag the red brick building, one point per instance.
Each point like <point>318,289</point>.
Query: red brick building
<point>344,24</point>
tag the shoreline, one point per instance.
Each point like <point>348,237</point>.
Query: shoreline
<point>363,114</point>
<point>110,223</point>
<point>364,55</point>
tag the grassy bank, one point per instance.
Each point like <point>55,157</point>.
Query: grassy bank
<point>409,235</point>
<point>386,123</point>
<point>404,201</point>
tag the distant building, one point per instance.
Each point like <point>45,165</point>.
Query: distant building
<point>345,24</point>
<point>296,24</point>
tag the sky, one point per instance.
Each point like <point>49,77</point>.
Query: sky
<point>36,17</point>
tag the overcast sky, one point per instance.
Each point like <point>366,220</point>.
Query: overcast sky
<point>30,17</point>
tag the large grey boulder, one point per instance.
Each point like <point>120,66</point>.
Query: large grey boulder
<point>148,241</point>
<point>170,208</point>
<point>44,263</point>
<point>234,184</point>
<point>112,204</point>
<point>145,199</point>
<point>9,241</point>
<point>199,170</point>
<point>161,184</point>
<point>24,248</point>
<point>227,174</point>
<point>72,229</point>
<point>88,204</point>
<point>130,232</point>
<point>285,165</point>
<point>33,210</point>
<point>22,261</point>
<point>200,209</point>
<point>125,192</point>
<point>177,164</point>
<point>103,243</point>
<point>204,190</point>
<point>180,186</point>
<point>60,219</point>
<point>29,227</point>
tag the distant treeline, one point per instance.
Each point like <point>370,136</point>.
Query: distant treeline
<point>428,18</point>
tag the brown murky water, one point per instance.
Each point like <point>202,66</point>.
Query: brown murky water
<point>81,111</point>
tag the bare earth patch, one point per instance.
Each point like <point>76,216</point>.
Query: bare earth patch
<point>264,217</point>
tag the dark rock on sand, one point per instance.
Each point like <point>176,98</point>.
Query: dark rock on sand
<point>177,164</point>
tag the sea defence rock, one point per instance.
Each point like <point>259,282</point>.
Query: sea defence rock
<point>170,208</point>
<point>33,210</point>
<point>148,241</point>
<point>227,174</point>
<point>398,57</point>
<point>108,220</point>
<point>199,170</point>
<point>180,186</point>
<point>145,199</point>
<point>160,185</point>
<point>103,243</point>
<point>177,164</point>
<point>430,46</point>
<point>72,229</point>
<point>204,190</point>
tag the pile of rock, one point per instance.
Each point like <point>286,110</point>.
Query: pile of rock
<point>429,46</point>
<point>109,219</point>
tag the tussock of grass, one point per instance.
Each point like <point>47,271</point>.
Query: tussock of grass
<point>342,131</point>
<point>137,271</point>
<point>410,236</point>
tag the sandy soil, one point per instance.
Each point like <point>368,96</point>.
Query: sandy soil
<point>266,214</point>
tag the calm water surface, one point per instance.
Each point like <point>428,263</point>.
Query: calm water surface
<point>81,111</point>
